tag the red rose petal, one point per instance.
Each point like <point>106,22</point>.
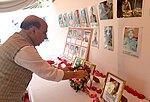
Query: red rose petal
<point>92,95</point>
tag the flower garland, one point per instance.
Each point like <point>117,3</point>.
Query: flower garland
<point>78,84</point>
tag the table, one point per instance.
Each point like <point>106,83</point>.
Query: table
<point>41,90</point>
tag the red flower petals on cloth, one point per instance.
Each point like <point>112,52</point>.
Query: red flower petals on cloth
<point>99,91</point>
<point>91,95</point>
<point>134,92</point>
<point>85,89</point>
<point>97,73</point>
<point>93,88</point>
<point>96,99</point>
<point>141,96</point>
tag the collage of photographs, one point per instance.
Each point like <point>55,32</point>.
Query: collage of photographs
<point>89,18</point>
<point>77,43</point>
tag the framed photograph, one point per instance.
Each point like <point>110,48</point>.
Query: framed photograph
<point>90,67</point>
<point>113,88</point>
<point>78,61</point>
<point>77,43</point>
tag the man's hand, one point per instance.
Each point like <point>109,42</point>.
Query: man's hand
<point>81,74</point>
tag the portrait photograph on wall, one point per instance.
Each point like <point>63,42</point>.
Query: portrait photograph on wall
<point>65,20</point>
<point>76,17</point>
<point>95,37</point>
<point>70,19</point>
<point>108,38</point>
<point>113,88</point>
<point>132,41</point>
<point>106,10</point>
<point>93,17</point>
<point>60,20</point>
<point>129,8</point>
<point>84,17</point>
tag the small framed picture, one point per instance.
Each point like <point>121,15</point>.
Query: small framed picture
<point>78,62</point>
<point>113,88</point>
<point>90,67</point>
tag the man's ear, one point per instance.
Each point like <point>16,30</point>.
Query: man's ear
<point>33,29</point>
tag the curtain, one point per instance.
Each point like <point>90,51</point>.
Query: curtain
<point>12,5</point>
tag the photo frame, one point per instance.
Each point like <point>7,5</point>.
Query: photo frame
<point>113,88</point>
<point>78,61</point>
<point>90,67</point>
<point>77,43</point>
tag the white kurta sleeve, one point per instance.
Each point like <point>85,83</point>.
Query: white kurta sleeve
<point>29,58</point>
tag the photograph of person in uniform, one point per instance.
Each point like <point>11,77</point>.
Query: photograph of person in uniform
<point>77,50</point>
<point>108,38</point>
<point>70,19</point>
<point>93,18</point>
<point>80,34</point>
<point>60,20</point>
<point>69,34</point>
<point>83,17</point>
<point>106,10</point>
<point>86,36</point>
<point>95,37</point>
<point>66,49</point>
<point>65,20</point>
<point>130,39</point>
<point>71,49</point>
<point>76,18</point>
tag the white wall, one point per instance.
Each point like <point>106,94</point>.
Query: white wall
<point>135,71</point>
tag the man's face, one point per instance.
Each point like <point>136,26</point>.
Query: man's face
<point>130,34</point>
<point>40,34</point>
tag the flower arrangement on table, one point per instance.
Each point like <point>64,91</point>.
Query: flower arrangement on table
<point>84,85</point>
<point>81,64</point>
<point>79,84</point>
